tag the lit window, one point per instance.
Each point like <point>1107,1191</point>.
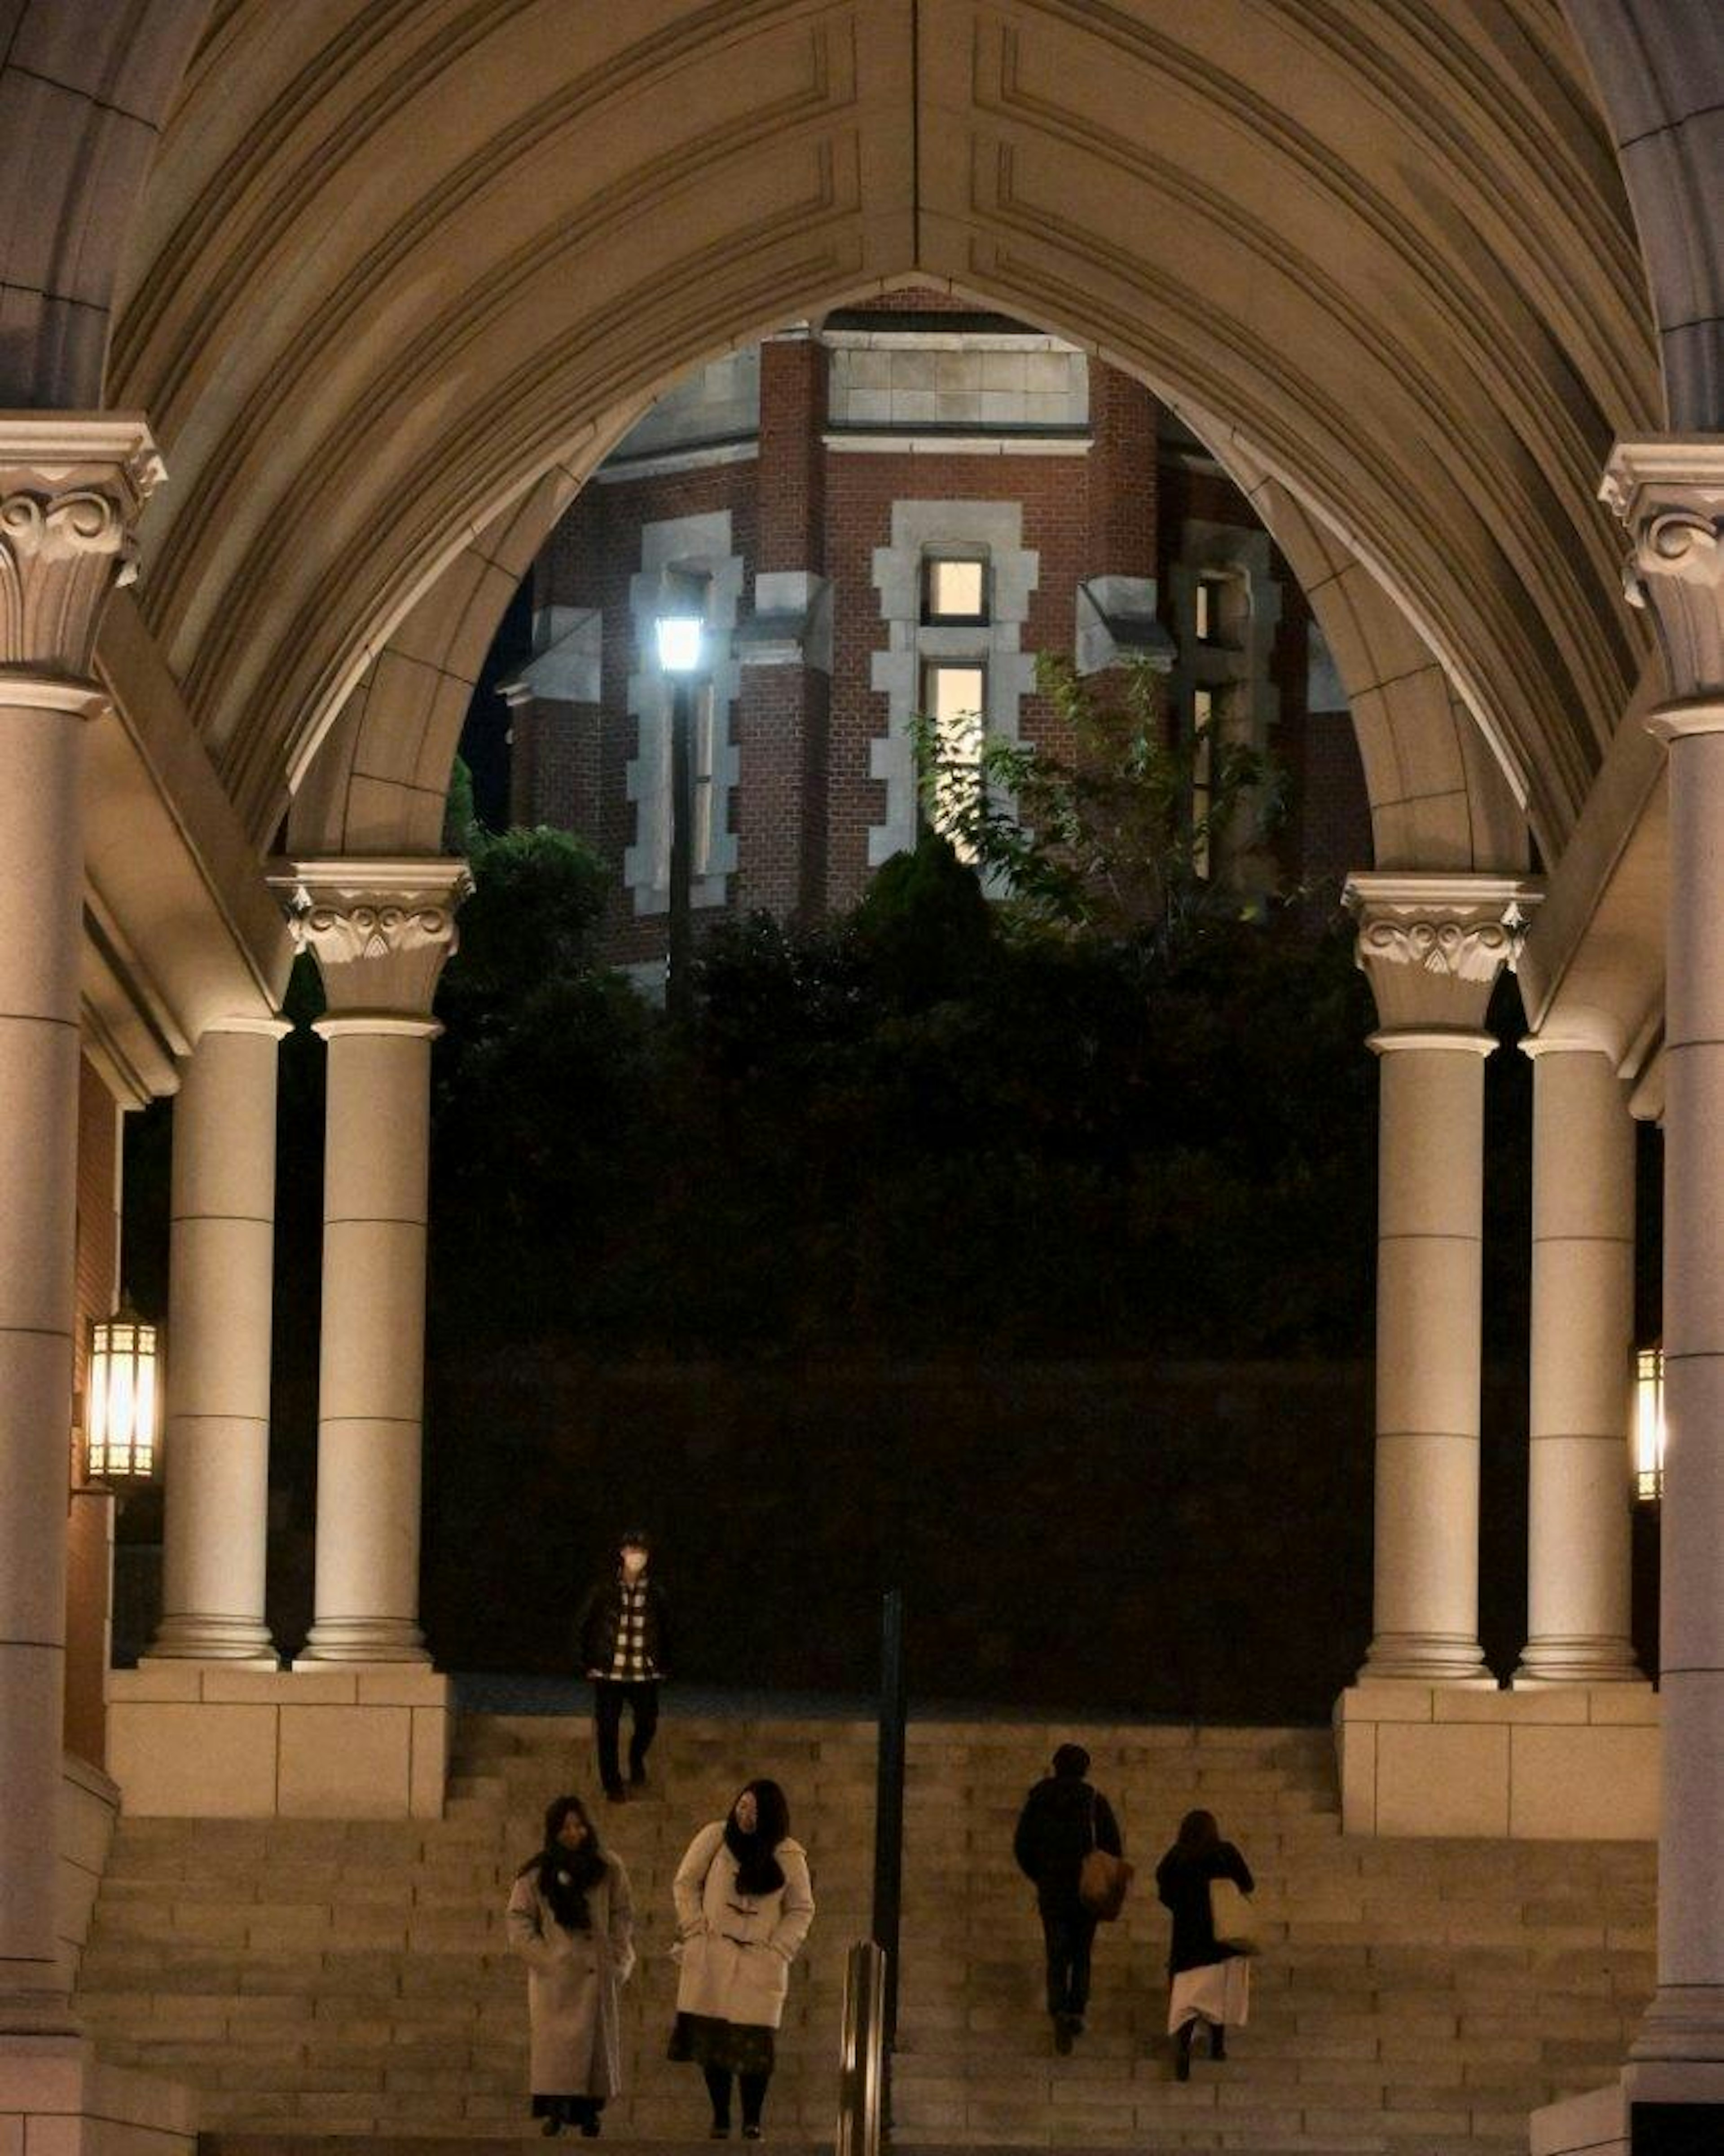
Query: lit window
<point>955,697</point>
<point>1206,604</point>
<point>1203,714</point>
<point>954,589</point>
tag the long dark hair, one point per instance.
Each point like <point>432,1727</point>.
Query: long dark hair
<point>566,1875</point>
<point>1198,1834</point>
<point>758,1871</point>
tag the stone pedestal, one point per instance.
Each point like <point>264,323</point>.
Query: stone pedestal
<point>1554,1763</point>
<point>57,2099</point>
<point>209,1741</point>
<point>222,1271</point>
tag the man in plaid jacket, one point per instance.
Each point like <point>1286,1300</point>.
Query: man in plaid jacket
<point>623,1636</point>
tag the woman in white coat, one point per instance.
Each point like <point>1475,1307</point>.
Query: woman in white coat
<point>743,1909</point>
<point>571,1921</point>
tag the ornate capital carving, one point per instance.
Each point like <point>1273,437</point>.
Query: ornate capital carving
<point>71,487</point>
<point>381,932</point>
<point>1669,491</point>
<point>1433,946</point>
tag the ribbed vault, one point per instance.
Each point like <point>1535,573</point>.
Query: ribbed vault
<point>399,259</point>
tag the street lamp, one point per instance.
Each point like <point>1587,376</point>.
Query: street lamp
<point>680,622</point>
<point>121,1397</point>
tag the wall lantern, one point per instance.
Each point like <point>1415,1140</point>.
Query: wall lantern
<point>121,1398</point>
<point>1648,1425</point>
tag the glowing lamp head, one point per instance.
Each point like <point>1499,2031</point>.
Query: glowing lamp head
<point>1649,1424</point>
<point>122,1396</point>
<point>681,637</point>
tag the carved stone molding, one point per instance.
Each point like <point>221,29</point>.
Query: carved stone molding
<point>1669,491</point>
<point>381,932</point>
<point>71,488</point>
<point>1433,946</point>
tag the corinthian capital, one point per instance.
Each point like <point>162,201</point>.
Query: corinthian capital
<point>380,931</point>
<point>71,487</point>
<point>1669,491</point>
<point>1433,946</point>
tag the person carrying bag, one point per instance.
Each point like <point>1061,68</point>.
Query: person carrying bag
<point>1203,1881</point>
<point>1068,1843</point>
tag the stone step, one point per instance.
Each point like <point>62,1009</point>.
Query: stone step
<point>316,1978</point>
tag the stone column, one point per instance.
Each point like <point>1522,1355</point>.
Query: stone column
<point>1579,1560</point>
<point>1669,491</point>
<point>221,1275</point>
<point>1433,947</point>
<point>381,932</point>
<point>70,486</point>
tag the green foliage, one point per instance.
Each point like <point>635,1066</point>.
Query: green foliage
<point>461,827</point>
<point>1120,837</point>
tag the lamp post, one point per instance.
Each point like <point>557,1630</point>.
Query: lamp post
<point>680,622</point>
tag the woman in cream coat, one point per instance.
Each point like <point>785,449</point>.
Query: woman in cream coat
<point>571,1922</point>
<point>743,1909</point>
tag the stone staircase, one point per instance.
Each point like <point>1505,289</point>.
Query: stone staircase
<point>328,1978</point>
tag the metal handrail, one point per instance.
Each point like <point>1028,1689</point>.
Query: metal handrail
<point>861,2058</point>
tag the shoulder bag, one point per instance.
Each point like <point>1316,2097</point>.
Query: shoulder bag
<point>1232,1919</point>
<point>1102,1876</point>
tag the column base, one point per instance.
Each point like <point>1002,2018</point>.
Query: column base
<point>56,2094</point>
<point>1654,2109</point>
<point>362,1639</point>
<point>1432,1658</point>
<point>242,1640</point>
<point>1578,1660</point>
<point>1685,2026</point>
<point>1549,1763</point>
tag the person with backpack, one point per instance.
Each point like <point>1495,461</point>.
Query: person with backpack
<point>1063,1820</point>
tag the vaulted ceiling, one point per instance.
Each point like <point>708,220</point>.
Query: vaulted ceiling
<point>395,261</point>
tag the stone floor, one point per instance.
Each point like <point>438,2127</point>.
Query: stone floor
<point>322,1979</point>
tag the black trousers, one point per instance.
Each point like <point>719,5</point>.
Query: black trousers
<point>754,2095</point>
<point>1069,1930</point>
<point>610,1695</point>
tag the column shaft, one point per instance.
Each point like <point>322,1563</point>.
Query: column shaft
<point>1686,2020</point>
<point>1579,1553</point>
<point>222,1258</point>
<point>372,1384</point>
<point>41,893</point>
<point>1430,1227</point>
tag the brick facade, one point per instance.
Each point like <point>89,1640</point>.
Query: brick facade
<point>811,498</point>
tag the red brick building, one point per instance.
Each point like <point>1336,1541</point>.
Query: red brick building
<point>895,512</point>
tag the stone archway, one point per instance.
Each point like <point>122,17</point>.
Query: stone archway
<point>479,298</point>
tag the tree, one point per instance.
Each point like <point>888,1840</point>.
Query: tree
<point>1128,835</point>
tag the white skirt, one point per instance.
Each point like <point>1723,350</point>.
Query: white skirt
<point>1220,1991</point>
